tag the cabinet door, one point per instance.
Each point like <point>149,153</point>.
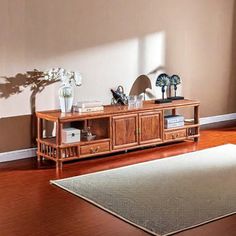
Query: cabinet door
<point>125,129</point>
<point>150,127</point>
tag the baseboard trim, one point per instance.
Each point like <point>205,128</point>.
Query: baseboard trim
<point>215,119</point>
<point>31,152</point>
<point>17,155</point>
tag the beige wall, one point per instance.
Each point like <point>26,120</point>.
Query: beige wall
<point>112,42</point>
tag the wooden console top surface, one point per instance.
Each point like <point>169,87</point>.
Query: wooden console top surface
<point>54,115</point>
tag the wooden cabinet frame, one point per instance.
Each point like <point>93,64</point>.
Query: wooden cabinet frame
<point>117,128</point>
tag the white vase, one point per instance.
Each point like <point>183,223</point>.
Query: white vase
<point>66,98</point>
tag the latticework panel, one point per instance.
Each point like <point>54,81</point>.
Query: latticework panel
<point>69,152</point>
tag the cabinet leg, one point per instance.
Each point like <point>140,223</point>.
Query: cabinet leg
<point>38,158</point>
<point>58,165</point>
<point>196,139</point>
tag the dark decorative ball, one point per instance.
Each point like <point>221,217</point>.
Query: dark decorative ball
<point>175,80</point>
<point>162,80</point>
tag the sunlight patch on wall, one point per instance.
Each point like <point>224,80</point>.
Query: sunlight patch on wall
<point>102,68</point>
<point>152,52</point>
<point>114,64</point>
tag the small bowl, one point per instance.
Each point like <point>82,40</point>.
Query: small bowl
<point>91,137</point>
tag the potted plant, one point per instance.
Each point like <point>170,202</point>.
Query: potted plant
<point>68,78</point>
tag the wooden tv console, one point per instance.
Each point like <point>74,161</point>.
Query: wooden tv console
<point>117,128</point>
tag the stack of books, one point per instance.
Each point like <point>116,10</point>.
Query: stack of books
<point>173,121</point>
<point>88,106</point>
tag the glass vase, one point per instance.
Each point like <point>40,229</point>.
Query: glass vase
<point>66,98</point>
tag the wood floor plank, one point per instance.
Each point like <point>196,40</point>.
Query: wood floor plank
<point>29,205</point>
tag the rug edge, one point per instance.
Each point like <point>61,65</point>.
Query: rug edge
<point>55,182</point>
<point>200,224</point>
<point>227,144</point>
<point>138,226</point>
<point>103,208</point>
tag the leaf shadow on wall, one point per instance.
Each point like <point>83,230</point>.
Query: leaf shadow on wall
<point>16,85</point>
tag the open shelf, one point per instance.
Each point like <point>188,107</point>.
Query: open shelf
<point>48,141</point>
<point>97,140</point>
<point>52,142</point>
<point>185,126</point>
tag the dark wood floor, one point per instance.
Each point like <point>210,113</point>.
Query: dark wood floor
<point>29,205</point>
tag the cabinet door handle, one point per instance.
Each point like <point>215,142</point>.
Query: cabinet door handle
<point>138,131</point>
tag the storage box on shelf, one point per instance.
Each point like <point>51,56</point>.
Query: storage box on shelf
<point>70,135</point>
<point>173,121</point>
<point>114,129</point>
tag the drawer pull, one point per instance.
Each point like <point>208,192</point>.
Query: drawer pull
<point>94,150</point>
<point>175,136</point>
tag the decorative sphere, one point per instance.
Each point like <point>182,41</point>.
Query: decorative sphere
<point>162,80</point>
<point>175,80</point>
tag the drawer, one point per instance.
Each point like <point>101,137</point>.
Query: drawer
<point>177,134</point>
<point>92,149</point>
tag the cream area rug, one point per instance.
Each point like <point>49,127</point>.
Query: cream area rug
<point>165,196</point>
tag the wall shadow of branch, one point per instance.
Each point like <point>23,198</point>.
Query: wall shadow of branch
<point>16,84</point>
